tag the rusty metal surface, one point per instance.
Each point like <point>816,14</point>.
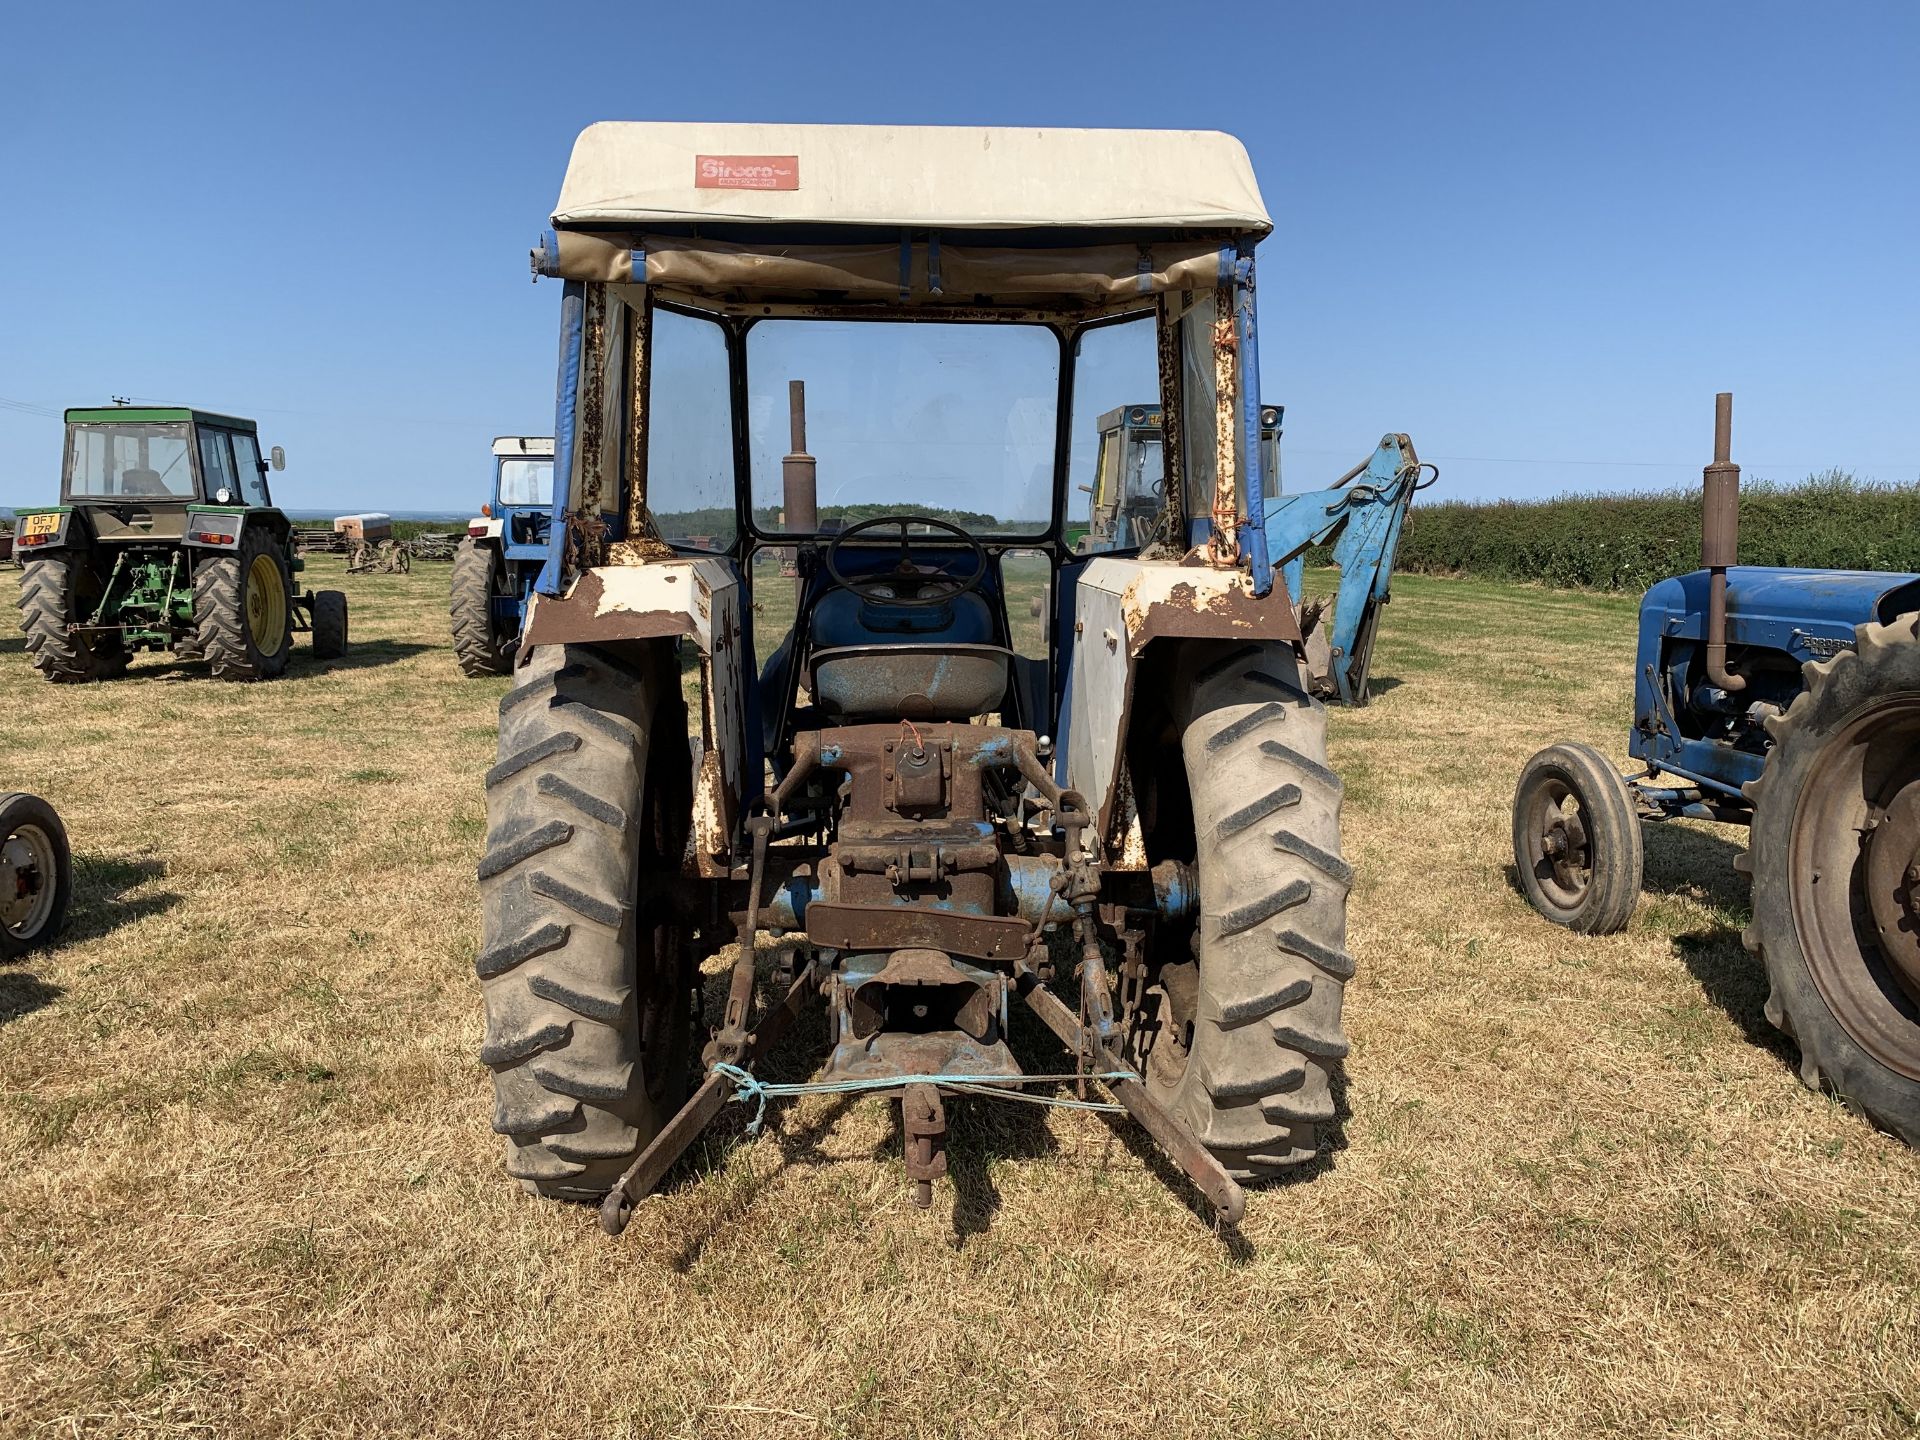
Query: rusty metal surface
<point>922,990</point>
<point>1121,606</point>
<point>652,1163</point>
<point>585,538</point>
<point>853,927</point>
<point>923,1127</point>
<point>1179,1143</point>
<point>582,617</point>
<point>1172,537</point>
<point>1720,539</point>
<point>1223,547</point>
<point>1893,884</point>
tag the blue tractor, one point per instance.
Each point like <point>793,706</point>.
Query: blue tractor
<point>495,566</point>
<point>1787,701</point>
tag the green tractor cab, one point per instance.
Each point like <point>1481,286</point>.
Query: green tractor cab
<point>166,538</point>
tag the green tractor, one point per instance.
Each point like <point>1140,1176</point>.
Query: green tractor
<point>165,538</point>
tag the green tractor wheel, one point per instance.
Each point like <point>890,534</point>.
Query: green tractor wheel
<point>242,613</point>
<point>1835,861</point>
<point>57,592</point>
<point>329,611</point>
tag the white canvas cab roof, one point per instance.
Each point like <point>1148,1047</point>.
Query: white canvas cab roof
<point>633,173</point>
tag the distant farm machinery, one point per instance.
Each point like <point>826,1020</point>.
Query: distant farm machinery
<point>166,539</point>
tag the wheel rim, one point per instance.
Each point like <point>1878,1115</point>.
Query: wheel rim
<point>28,873</point>
<point>1854,869</point>
<point>1559,849</point>
<point>266,605</point>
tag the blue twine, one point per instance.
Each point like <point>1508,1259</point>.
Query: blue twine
<point>747,1087</point>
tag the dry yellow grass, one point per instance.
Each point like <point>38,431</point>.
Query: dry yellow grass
<point>249,1185</point>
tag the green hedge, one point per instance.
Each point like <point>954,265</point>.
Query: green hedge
<point>1626,542</point>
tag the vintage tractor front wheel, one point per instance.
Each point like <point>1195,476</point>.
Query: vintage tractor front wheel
<point>1577,849</point>
<point>1243,1040</point>
<point>36,874</point>
<point>58,591</point>
<point>479,574</point>
<point>242,611</point>
<point>587,984</point>
<point>1835,861</point>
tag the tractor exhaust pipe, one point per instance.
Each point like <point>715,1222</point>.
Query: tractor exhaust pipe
<point>1720,539</point>
<point>798,481</point>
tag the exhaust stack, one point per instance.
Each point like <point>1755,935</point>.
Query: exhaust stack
<point>798,482</point>
<point>1720,538</point>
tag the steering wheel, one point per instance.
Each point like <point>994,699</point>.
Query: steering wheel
<point>935,588</point>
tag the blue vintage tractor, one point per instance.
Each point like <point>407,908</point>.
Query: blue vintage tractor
<point>821,445</point>
<point>1787,701</point>
<point>495,566</point>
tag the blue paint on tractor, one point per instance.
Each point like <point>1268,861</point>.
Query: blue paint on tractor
<point>1363,517</point>
<point>1777,621</point>
<point>525,526</point>
<point>566,394</point>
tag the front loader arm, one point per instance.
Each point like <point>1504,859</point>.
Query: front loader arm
<point>1362,515</point>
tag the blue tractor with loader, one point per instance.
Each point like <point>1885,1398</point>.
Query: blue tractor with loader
<point>1787,701</point>
<point>505,546</point>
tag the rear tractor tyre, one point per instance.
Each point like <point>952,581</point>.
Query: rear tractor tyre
<point>329,625</point>
<point>1243,1040</point>
<point>58,591</point>
<point>587,985</point>
<point>36,874</point>
<point>1835,861</point>
<point>479,573</point>
<point>1577,849</point>
<point>243,611</point>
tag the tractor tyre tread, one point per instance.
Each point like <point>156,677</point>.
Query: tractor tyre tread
<point>47,608</point>
<point>1617,848</point>
<point>1885,658</point>
<point>558,964</point>
<point>329,625</point>
<point>1261,1080</point>
<point>470,605</point>
<point>221,634</point>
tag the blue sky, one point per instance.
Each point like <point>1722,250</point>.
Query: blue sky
<point>1535,237</point>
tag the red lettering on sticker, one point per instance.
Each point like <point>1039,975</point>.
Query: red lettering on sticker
<point>746,172</point>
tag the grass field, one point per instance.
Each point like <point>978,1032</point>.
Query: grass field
<point>250,1187</point>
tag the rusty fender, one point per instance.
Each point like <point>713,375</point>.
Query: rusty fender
<point>696,600</point>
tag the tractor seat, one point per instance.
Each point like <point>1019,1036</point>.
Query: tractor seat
<point>873,661</point>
